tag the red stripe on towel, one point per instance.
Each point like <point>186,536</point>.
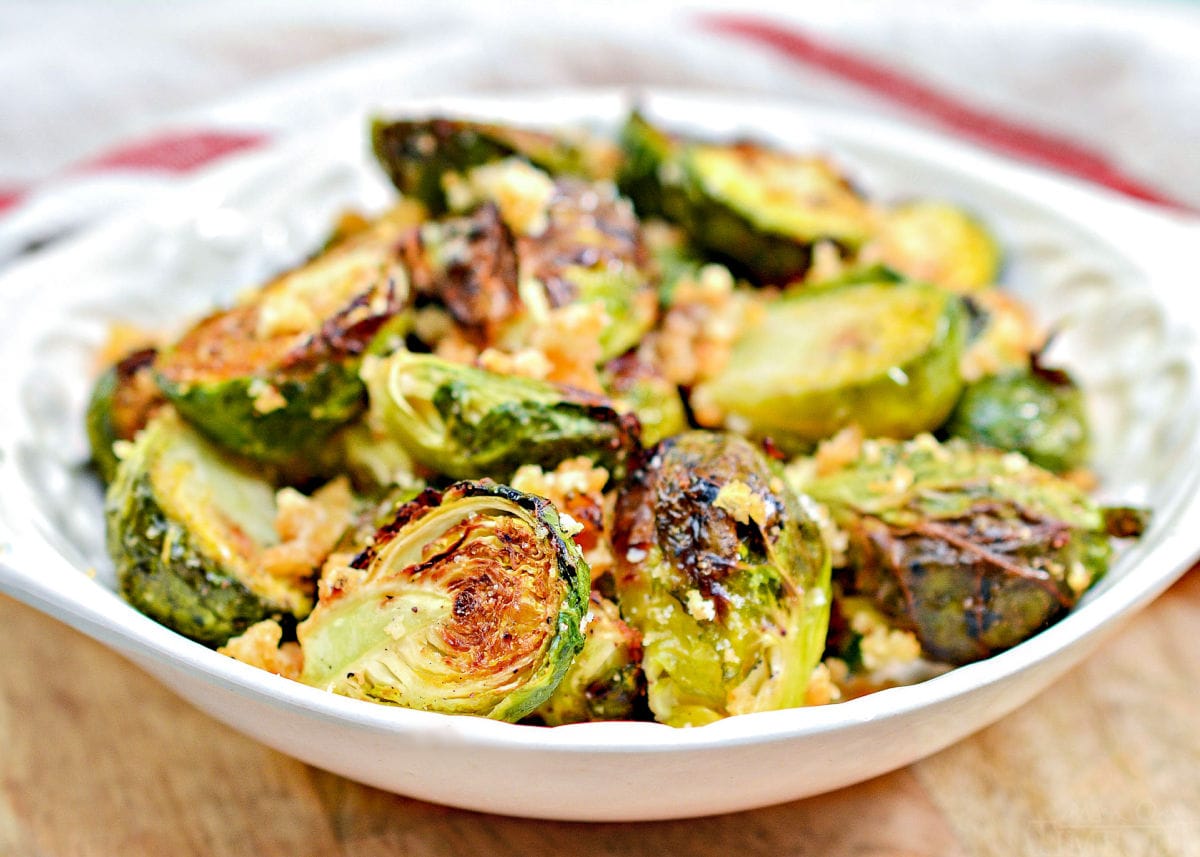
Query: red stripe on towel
<point>177,152</point>
<point>1003,135</point>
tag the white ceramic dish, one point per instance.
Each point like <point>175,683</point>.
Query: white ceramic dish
<point>1114,276</point>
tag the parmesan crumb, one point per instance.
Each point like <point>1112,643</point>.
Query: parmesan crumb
<point>701,608</point>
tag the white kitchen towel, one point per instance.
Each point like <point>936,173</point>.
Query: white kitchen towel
<point>99,107</point>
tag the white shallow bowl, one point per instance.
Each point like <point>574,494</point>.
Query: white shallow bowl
<point>1113,277</point>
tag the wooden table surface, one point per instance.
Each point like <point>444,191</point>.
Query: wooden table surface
<point>97,759</point>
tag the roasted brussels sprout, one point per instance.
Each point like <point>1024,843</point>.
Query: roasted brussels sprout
<point>468,423</point>
<point>470,601</point>
<point>186,529</point>
<point>882,355</point>
<point>757,208</point>
<point>272,377</point>
<point>418,155</point>
<point>605,679</point>
<point>123,400</point>
<point>936,242</point>
<point>592,250</point>
<point>725,575</point>
<point>1036,412</point>
<point>973,549</point>
<point>638,386</point>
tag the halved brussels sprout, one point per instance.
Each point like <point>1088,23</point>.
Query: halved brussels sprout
<point>416,155</point>
<point>725,575</point>
<point>467,423</point>
<point>974,549</point>
<point>936,242</point>
<point>122,402</point>
<point>272,377</point>
<point>186,529</point>
<point>470,601</point>
<point>759,208</point>
<point>882,355</point>
<point>605,679</point>
<point>592,250</point>
<point>640,387</point>
<point>1036,412</point>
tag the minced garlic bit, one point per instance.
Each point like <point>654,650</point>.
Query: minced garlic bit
<point>520,190</point>
<point>571,477</point>
<point>266,396</point>
<point>259,647</point>
<point>742,503</point>
<point>822,689</point>
<point>698,331</point>
<point>827,263</point>
<point>841,450</point>
<point>1010,336</point>
<point>701,608</point>
<point>308,529</point>
<point>570,341</point>
<point>525,363</point>
<point>882,646</point>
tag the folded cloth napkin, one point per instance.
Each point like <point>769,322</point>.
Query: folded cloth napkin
<point>97,111</point>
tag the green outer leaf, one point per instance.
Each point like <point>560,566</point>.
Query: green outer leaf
<point>1021,411</point>
<point>795,378</point>
<point>316,405</point>
<point>165,570</point>
<point>346,633</point>
<point>468,423</point>
<point>101,432</point>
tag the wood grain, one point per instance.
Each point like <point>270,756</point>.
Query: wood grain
<point>97,759</point>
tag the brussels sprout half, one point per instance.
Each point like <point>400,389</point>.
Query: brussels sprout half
<point>725,575</point>
<point>882,355</point>
<point>272,377</point>
<point>757,208</point>
<point>469,601</point>
<point>123,400</point>
<point>468,423</point>
<point>417,155</point>
<point>185,529</point>
<point>1037,413</point>
<point>936,242</point>
<point>973,549</point>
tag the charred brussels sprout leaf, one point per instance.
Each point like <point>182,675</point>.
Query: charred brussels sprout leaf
<point>469,265</point>
<point>938,243</point>
<point>1040,415</point>
<point>467,423</point>
<point>758,208</point>
<point>725,575</point>
<point>971,548</point>
<point>417,155</point>
<point>882,355</point>
<point>186,528</point>
<point>467,602</point>
<point>122,402</point>
<point>605,679</point>
<point>272,377</point>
